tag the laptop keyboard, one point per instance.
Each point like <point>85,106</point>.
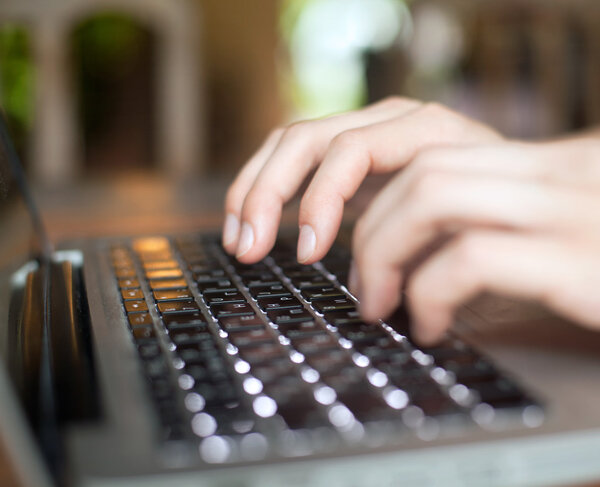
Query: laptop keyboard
<point>273,358</point>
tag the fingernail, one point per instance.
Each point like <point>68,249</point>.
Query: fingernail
<point>353,284</point>
<point>307,241</point>
<point>231,228</point>
<point>246,239</point>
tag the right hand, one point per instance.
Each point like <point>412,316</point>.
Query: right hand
<point>382,137</point>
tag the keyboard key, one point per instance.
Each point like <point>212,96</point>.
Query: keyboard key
<point>329,361</point>
<point>262,353</point>
<point>274,290</point>
<point>139,319</point>
<point>216,285</point>
<point>300,329</point>
<point>341,318</point>
<point>224,297</point>
<point>143,333</point>
<point>272,370</point>
<point>164,274</point>
<point>312,279</point>
<point>172,295</point>
<point>125,273</point>
<point>281,302</point>
<point>207,273</point>
<point>166,307</point>
<point>136,306</point>
<point>222,310</point>
<point>128,283</point>
<point>157,285</point>
<point>171,320</point>
<point>338,304</point>
<point>321,292</point>
<point>237,323</point>
<point>160,265</point>
<point>249,338</point>
<point>189,336</point>
<point>129,294</point>
<point>315,343</point>
<point>285,316</point>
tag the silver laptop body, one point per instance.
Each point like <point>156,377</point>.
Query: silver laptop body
<point>75,406</point>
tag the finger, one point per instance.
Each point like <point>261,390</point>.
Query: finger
<point>378,147</point>
<point>514,160</point>
<point>553,271</point>
<point>237,191</point>
<point>300,148</point>
<point>445,203</point>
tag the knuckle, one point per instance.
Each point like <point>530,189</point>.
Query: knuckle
<point>400,102</point>
<point>349,140</point>
<point>296,130</point>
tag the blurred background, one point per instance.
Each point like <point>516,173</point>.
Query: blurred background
<point>110,100</point>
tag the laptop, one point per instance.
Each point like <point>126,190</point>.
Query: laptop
<point>160,360</point>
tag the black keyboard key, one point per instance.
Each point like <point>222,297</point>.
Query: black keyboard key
<point>344,378</point>
<point>285,316</point>
<point>222,310</point>
<point>167,307</point>
<point>301,412</point>
<point>329,361</point>
<point>216,285</point>
<point>315,343</point>
<point>172,295</point>
<point>206,273</point>
<point>148,351</point>
<point>321,292</point>
<point>171,320</point>
<point>144,334</point>
<point>498,392</point>
<point>239,323</point>
<point>310,280</point>
<point>250,338</point>
<point>341,318</point>
<point>300,329</point>
<point>272,370</point>
<point>224,297</point>
<point>190,336</point>
<point>338,304</point>
<point>364,404</point>
<point>136,306</point>
<point>262,353</point>
<point>281,302</point>
<point>362,333</point>
<point>274,290</point>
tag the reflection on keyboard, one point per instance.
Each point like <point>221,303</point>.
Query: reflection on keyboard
<point>273,358</point>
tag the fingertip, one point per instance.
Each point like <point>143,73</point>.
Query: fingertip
<point>430,331</point>
<point>246,240</point>
<point>307,242</point>
<point>231,230</point>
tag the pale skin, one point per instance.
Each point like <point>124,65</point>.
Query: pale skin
<point>517,219</point>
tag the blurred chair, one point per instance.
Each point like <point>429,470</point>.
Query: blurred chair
<point>56,155</point>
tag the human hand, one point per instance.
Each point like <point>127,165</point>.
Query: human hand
<point>521,220</point>
<point>344,148</point>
